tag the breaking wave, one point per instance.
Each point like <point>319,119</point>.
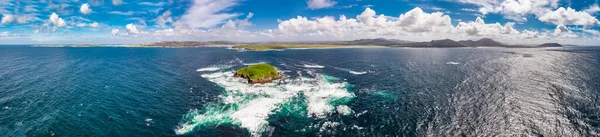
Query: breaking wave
<point>351,71</point>
<point>212,68</point>
<point>452,63</point>
<point>357,72</point>
<point>312,66</point>
<point>249,106</point>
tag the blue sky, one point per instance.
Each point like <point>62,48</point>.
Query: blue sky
<point>134,21</point>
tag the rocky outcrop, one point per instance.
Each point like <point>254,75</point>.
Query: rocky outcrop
<point>260,73</point>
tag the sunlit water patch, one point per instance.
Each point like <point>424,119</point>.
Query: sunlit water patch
<point>250,106</point>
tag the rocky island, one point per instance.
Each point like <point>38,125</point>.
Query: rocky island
<point>259,73</point>
<point>550,45</point>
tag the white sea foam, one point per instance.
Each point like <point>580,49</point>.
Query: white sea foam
<point>361,113</point>
<point>213,68</point>
<point>208,69</point>
<point>355,127</point>
<point>351,71</point>
<point>328,125</point>
<point>312,66</point>
<point>344,110</point>
<point>452,63</point>
<point>254,103</point>
<point>357,73</point>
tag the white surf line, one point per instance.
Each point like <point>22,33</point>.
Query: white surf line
<point>310,65</point>
<point>351,71</point>
<point>452,63</point>
<point>213,68</point>
<point>313,66</point>
<point>208,69</point>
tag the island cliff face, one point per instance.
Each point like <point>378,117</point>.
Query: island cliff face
<point>260,73</point>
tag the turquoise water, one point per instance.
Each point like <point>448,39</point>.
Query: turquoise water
<point>112,91</point>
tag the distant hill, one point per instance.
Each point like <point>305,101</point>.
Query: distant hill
<point>485,42</point>
<point>550,45</point>
<point>378,41</point>
<point>401,41</point>
<point>445,43</point>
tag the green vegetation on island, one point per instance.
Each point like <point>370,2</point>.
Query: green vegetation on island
<point>259,73</point>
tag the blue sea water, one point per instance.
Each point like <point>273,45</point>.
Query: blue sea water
<point>118,91</point>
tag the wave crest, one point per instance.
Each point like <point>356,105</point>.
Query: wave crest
<point>312,66</point>
<point>214,68</point>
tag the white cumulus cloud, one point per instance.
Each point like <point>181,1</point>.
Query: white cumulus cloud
<point>164,18</point>
<point>416,20</point>
<point>23,19</point>
<point>563,31</point>
<point>7,18</point>
<point>246,22</point>
<point>132,29</point>
<point>230,25</point>
<point>85,9</point>
<point>114,31</point>
<point>568,16</point>
<point>320,4</point>
<point>117,2</point>
<point>94,25</point>
<point>56,21</point>
<point>516,10</point>
<point>480,28</point>
<point>592,9</point>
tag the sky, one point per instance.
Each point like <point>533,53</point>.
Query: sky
<point>141,21</point>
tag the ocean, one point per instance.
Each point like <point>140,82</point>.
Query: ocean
<point>119,91</point>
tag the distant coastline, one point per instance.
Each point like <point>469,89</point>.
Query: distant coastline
<point>362,43</point>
